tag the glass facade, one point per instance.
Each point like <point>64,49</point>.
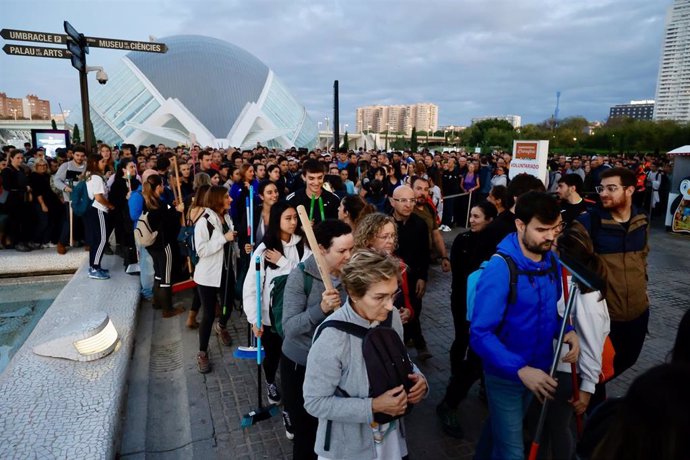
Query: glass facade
<point>213,80</point>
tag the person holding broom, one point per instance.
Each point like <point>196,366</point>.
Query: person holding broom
<point>213,274</point>
<point>307,304</point>
<point>281,249</point>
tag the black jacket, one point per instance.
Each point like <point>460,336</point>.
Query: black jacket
<point>410,234</point>
<point>331,203</point>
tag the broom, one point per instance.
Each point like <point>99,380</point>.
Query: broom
<point>582,274</point>
<point>177,192</point>
<point>249,352</point>
<point>261,413</point>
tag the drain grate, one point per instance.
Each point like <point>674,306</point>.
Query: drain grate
<point>166,357</point>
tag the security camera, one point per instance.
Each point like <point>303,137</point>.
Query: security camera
<point>102,77</point>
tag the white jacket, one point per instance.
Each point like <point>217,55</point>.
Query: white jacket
<point>286,264</point>
<point>592,325</point>
<point>209,269</point>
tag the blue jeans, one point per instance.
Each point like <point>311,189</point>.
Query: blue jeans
<point>501,436</point>
<point>145,272</point>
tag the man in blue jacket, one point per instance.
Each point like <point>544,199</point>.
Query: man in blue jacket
<point>513,327</point>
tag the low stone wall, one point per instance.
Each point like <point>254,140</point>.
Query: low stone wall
<point>57,408</point>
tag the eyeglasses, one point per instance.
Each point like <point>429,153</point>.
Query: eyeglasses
<point>404,200</point>
<point>609,188</point>
<point>387,236</point>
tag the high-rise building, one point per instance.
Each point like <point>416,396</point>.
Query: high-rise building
<point>397,118</point>
<point>638,110</point>
<point>515,120</point>
<point>673,82</point>
<point>29,107</point>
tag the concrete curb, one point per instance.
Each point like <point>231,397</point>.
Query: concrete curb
<point>56,408</point>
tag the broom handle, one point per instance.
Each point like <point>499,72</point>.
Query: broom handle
<point>179,197</point>
<point>258,326</point>
<point>573,366</point>
<point>314,245</point>
<point>534,450</point>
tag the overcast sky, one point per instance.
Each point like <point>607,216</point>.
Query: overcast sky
<point>471,58</point>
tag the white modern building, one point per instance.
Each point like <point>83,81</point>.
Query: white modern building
<point>673,81</point>
<point>203,90</point>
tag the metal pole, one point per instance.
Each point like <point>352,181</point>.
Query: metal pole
<point>86,117</point>
<point>469,206</point>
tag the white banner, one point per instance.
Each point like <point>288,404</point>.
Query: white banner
<point>529,157</point>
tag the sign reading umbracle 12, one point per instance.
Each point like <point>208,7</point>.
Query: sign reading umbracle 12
<point>529,157</point>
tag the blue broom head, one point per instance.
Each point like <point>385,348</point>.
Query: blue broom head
<point>248,353</point>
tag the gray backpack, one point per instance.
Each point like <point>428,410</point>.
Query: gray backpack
<point>143,233</point>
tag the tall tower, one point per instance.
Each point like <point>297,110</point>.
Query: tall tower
<point>673,82</point>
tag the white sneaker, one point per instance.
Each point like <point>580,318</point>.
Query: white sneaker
<point>289,432</point>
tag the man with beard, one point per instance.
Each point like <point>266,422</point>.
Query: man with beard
<point>619,233</point>
<point>66,178</point>
<point>512,329</point>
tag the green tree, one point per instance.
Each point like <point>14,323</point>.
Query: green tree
<point>76,137</point>
<point>346,142</point>
<point>53,124</point>
<point>413,139</point>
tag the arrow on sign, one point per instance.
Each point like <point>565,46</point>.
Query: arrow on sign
<point>37,51</point>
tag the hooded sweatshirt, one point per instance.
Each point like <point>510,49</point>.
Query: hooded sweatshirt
<point>286,264</point>
<point>510,337</point>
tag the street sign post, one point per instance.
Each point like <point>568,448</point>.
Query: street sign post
<point>76,50</point>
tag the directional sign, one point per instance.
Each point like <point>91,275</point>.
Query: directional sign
<point>37,51</point>
<point>96,42</point>
<point>112,43</point>
<point>28,36</point>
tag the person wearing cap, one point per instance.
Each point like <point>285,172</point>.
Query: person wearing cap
<point>319,203</point>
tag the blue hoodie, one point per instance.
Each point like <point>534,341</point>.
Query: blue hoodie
<point>510,337</point>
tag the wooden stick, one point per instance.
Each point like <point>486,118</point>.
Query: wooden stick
<point>318,257</point>
<point>173,160</point>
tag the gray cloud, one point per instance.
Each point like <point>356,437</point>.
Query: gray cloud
<point>469,57</point>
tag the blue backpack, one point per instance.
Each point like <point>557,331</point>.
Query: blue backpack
<point>80,199</point>
<point>473,279</point>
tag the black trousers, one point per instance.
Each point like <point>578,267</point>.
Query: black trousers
<point>413,328</point>
<point>208,297</point>
<point>627,338</point>
<point>304,425</point>
<point>465,364</point>
<point>96,231</point>
<point>77,226</point>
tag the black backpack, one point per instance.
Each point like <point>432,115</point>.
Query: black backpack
<point>385,356</point>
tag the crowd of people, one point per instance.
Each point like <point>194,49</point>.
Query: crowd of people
<point>228,219</point>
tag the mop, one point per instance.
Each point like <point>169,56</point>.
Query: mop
<point>261,413</point>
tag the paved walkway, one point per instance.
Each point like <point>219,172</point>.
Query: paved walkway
<point>174,412</point>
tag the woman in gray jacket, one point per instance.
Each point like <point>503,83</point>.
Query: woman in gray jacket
<point>336,367</point>
<point>306,303</point>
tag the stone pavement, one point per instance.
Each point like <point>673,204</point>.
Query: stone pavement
<point>174,412</point>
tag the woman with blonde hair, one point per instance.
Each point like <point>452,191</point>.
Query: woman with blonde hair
<point>378,231</point>
<point>353,423</point>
